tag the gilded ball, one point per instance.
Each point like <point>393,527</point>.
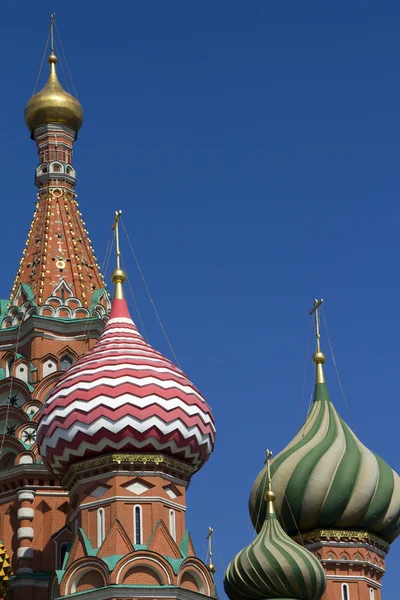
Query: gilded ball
<point>118,276</point>
<point>270,496</point>
<point>211,568</point>
<point>319,358</point>
<point>53,59</point>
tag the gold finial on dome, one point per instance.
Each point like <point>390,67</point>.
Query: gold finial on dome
<point>318,357</point>
<point>211,567</point>
<point>269,495</point>
<point>53,104</point>
<point>118,276</point>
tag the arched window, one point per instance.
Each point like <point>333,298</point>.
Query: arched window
<point>101,528</point>
<point>62,552</point>
<point>66,362</point>
<point>371,593</point>
<point>137,524</point>
<point>345,592</point>
<point>172,524</point>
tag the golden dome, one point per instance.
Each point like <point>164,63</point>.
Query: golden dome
<point>53,104</point>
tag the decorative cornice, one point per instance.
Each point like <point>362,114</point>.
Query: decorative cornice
<point>132,591</point>
<point>126,459</point>
<point>341,535</point>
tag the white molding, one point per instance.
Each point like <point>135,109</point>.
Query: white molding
<point>101,526</point>
<point>316,545</point>
<point>25,513</point>
<point>172,523</point>
<point>26,495</point>
<point>144,559</point>
<point>354,578</point>
<point>136,473</point>
<point>128,500</point>
<point>26,552</point>
<point>25,533</point>
<point>131,591</point>
<point>196,568</point>
<point>71,583</point>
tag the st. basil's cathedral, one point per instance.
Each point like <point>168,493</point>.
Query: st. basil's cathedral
<point>101,435</point>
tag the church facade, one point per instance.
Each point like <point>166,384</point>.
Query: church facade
<point>101,435</point>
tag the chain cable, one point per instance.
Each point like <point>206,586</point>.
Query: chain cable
<point>149,295</point>
<point>42,61</point>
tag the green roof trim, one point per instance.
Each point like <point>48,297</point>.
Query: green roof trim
<point>175,563</point>
<point>88,546</point>
<point>96,296</point>
<point>111,561</point>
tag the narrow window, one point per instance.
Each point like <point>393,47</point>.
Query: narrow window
<point>100,527</point>
<point>172,524</point>
<point>66,362</point>
<point>345,592</point>
<point>63,551</point>
<point>371,593</point>
<point>137,524</point>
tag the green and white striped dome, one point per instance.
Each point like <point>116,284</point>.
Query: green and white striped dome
<point>274,567</point>
<point>326,478</point>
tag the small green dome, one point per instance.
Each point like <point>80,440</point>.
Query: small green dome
<point>326,478</point>
<point>274,567</point>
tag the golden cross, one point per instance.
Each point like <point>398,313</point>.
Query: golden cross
<point>115,228</point>
<point>315,309</point>
<point>267,461</point>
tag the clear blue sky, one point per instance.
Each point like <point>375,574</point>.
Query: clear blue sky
<point>254,150</point>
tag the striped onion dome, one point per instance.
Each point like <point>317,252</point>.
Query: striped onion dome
<point>274,567</point>
<point>326,478</point>
<point>125,396</point>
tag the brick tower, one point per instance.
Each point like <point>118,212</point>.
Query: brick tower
<point>56,311</point>
<point>334,496</point>
<point>125,430</point>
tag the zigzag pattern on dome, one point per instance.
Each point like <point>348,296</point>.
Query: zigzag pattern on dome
<point>124,395</point>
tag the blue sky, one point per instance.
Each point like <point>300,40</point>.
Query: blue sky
<point>253,148</point>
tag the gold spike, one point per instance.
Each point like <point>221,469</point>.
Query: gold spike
<point>319,357</point>
<point>118,276</point>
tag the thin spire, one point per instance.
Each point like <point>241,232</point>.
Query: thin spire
<point>52,20</point>
<point>318,357</point>
<point>211,567</point>
<point>269,496</point>
<point>118,276</point>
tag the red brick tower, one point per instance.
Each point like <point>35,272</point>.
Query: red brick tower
<point>125,430</point>
<point>57,310</point>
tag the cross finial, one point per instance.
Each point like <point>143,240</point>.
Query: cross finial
<point>52,19</point>
<point>118,276</point>
<point>210,566</point>
<point>115,228</point>
<point>318,357</point>
<point>269,496</point>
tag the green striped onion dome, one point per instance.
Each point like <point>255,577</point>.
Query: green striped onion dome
<point>274,567</point>
<point>326,478</point>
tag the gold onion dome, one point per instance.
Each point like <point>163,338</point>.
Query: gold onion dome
<point>53,104</point>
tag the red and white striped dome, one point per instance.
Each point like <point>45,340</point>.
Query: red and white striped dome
<point>124,396</point>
